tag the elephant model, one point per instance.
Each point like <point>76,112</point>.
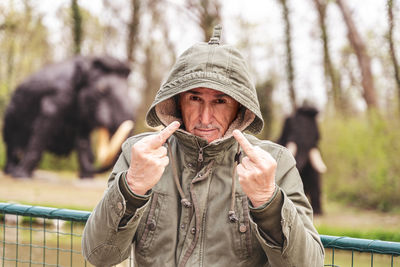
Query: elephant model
<point>57,108</point>
<point>300,135</point>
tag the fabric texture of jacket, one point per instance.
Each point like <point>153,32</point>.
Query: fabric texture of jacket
<point>164,230</point>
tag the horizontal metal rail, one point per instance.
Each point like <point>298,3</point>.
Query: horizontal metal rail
<point>44,212</point>
<point>361,245</point>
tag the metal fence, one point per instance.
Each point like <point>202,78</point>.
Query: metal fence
<point>43,236</point>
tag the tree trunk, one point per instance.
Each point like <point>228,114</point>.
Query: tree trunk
<point>76,26</point>
<point>363,58</point>
<point>289,59</point>
<point>330,72</point>
<point>264,92</point>
<point>390,4</point>
<point>133,31</point>
<point>207,14</point>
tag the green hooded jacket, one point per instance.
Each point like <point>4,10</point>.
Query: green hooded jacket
<point>197,214</point>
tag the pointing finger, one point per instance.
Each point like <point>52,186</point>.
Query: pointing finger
<point>245,144</point>
<point>162,136</point>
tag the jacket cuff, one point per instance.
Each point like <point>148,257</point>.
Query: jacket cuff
<point>268,218</point>
<point>133,201</point>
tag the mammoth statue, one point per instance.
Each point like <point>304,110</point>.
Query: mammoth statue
<point>57,108</point>
<point>300,135</point>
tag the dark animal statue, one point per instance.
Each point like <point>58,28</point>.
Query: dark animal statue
<point>57,108</point>
<point>300,135</point>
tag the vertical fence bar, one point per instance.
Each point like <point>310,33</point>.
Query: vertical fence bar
<point>372,259</point>
<point>58,242</point>
<point>30,240</point>
<point>44,242</point>
<point>72,237</point>
<point>352,257</point>
<point>4,238</point>
<point>16,243</point>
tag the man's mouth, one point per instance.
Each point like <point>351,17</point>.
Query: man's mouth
<point>205,131</point>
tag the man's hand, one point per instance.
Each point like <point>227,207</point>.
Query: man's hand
<point>256,171</point>
<point>149,159</point>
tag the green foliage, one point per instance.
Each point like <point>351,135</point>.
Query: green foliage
<point>24,46</point>
<point>58,163</point>
<point>374,234</point>
<point>84,33</point>
<point>362,158</point>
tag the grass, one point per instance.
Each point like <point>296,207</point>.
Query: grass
<point>374,234</point>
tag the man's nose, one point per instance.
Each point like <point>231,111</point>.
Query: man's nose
<point>206,114</point>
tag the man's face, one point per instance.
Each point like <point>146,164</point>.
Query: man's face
<point>207,113</point>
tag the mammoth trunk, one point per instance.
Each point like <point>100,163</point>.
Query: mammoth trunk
<point>108,148</point>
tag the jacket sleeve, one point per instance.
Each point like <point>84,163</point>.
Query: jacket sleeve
<point>106,241</point>
<point>289,216</point>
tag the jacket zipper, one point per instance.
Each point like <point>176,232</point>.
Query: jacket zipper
<point>200,159</point>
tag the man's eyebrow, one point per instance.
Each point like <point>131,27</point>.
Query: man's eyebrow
<point>200,93</point>
<point>194,92</point>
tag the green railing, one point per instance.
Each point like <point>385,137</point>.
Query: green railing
<point>42,236</point>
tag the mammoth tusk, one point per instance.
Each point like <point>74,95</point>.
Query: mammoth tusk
<point>102,144</point>
<point>316,160</point>
<point>292,148</point>
<point>108,148</point>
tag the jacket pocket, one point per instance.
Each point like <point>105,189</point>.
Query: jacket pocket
<point>148,228</point>
<point>241,230</point>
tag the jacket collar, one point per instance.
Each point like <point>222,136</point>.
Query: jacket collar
<point>194,145</point>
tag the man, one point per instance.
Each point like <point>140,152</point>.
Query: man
<point>200,192</point>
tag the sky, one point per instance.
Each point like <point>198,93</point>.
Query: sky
<point>266,16</point>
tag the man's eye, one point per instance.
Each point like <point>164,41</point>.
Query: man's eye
<point>194,98</point>
<point>220,101</point>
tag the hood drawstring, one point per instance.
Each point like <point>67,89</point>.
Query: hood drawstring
<point>232,214</point>
<point>185,202</point>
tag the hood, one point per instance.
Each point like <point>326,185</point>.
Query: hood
<point>214,66</point>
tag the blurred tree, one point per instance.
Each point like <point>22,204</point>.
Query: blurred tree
<point>133,30</point>
<point>24,46</point>
<point>207,14</point>
<point>390,5</point>
<point>363,58</point>
<point>264,92</point>
<point>331,73</point>
<point>93,38</point>
<point>76,26</point>
<point>158,55</point>
<point>289,53</point>
<point>247,44</point>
